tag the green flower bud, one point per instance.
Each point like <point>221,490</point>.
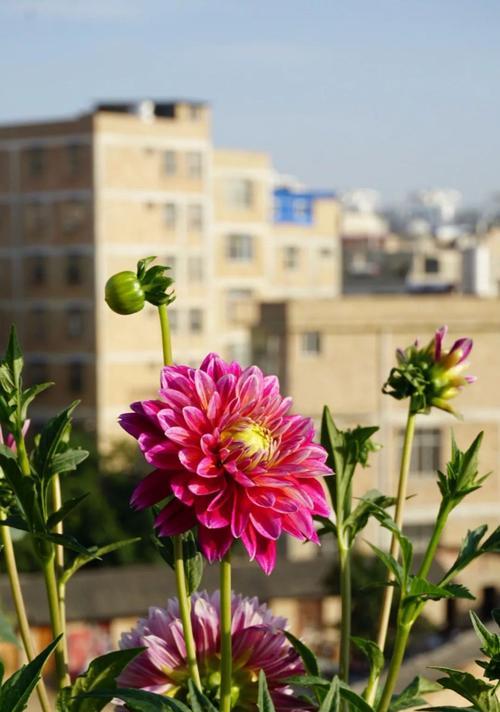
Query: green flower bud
<point>124,293</point>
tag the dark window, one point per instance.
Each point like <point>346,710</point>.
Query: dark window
<point>35,160</point>
<point>240,248</point>
<point>431,265</point>
<point>170,163</point>
<point>194,164</point>
<point>195,320</point>
<point>39,270</point>
<point>311,343</point>
<point>38,372</point>
<point>75,377</point>
<point>426,452</point>
<point>74,271</point>
<point>39,324</point>
<point>75,322</point>
<point>74,154</point>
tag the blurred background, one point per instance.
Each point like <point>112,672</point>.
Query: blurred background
<point>323,179</point>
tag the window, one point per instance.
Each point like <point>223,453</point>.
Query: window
<point>195,217</point>
<point>194,162</point>
<point>301,208</point>
<point>195,269</point>
<point>240,248</point>
<point>195,320</point>
<point>171,261</point>
<point>73,217</point>
<point>74,269</point>
<point>75,377</point>
<point>325,253</point>
<point>38,270</point>
<point>170,163</point>
<point>74,157</point>
<point>39,324</point>
<point>426,452</point>
<point>38,371</point>
<point>240,193</point>
<point>311,343</point>
<point>431,265</point>
<point>291,257</point>
<point>75,322</point>
<point>35,161</point>
<point>170,215</point>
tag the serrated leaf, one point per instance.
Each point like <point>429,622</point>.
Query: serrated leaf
<point>18,688</point>
<point>306,654</point>
<point>390,563</point>
<point>332,699</point>
<point>474,690</point>
<point>94,553</point>
<point>411,696</point>
<point>68,506</point>
<point>369,505</point>
<point>51,437</point>
<point>373,653</point>
<point>422,590</point>
<point>492,543</point>
<point>139,700</point>
<point>469,549</point>
<point>264,700</point>
<point>355,701</point>
<point>68,460</point>
<point>101,675</point>
<point>198,701</point>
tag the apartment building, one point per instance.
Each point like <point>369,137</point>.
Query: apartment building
<point>84,198</point>
<point>339,352</point>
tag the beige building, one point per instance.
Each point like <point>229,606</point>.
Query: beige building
<point>339,352</point>
<point>84,198</point>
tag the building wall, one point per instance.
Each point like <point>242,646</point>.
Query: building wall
<point>356,340</point>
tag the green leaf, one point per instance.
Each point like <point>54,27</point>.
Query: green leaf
<point>373,653</point>
<point>368,506</point>
<point>18,688</point>
<point>264,699</point>
<point>390,563</point>
<point>478,692</point>
<point>68,460</point>
<point>25,490</point>
<point>101,675</point>
<point>29,395</point>
<point>198,701</point>
<point>308,681</point>
<point>490,647</point>
<point>193,560</point>
<point>355,701</point>
<point>411,696</point>
<point>468,550</point>
<point>66,508</point>
<point>462,475</point>
<point>139,700</point>
<point>332,699</point>
<point>93,553</point>
<point>307,655</point>
<point>422,590</point>
<point>14,357</point>
<point>51,438</point>
<point>492,543</point>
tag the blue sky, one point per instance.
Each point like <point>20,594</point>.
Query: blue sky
<point>389,94</point>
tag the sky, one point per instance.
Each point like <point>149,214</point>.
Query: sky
<point>387,94</point>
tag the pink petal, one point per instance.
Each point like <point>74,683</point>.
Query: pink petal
<point>150,490</point>
<point>214,543</point>
<point>175,518</point>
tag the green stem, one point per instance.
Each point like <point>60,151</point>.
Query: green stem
<point>22,455</point>
<point>388,594</point>
<point>59,565</point>
<point>165,335</point>
<point>430,552</point>
<point>180,572</point>
<point>185,611</point>
<point>393,672</point>
<point>20,608</point>
<point>345,625</point>
<point>63,679</point>
<point>225,633</point>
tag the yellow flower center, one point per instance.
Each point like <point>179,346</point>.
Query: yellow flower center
<point>255,438</point>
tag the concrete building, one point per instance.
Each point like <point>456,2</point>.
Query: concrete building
<point>84,198</point>
<point>339,352</point>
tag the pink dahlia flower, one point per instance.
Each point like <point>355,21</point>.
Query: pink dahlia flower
<point>447,372</point>
<point>9,440</point>
<point>258,644</point>
<point>237,464</point>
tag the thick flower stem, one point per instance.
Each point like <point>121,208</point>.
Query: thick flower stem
<point>165,335</point>
<point>225,633</point>
<point>180,572</point>
<point>385,611</point>
<point>185,611</point>
<point>63,678</point>
<point>402,635</point>
<point>59,565</point>
<point>345,626</point>
<point>22,618</point>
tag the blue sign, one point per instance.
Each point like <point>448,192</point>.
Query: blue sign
<point>296,207</point>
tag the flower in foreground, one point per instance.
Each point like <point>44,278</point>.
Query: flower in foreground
<point>430,376</point>
<point>233,460</point>
<point>258,643</point>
